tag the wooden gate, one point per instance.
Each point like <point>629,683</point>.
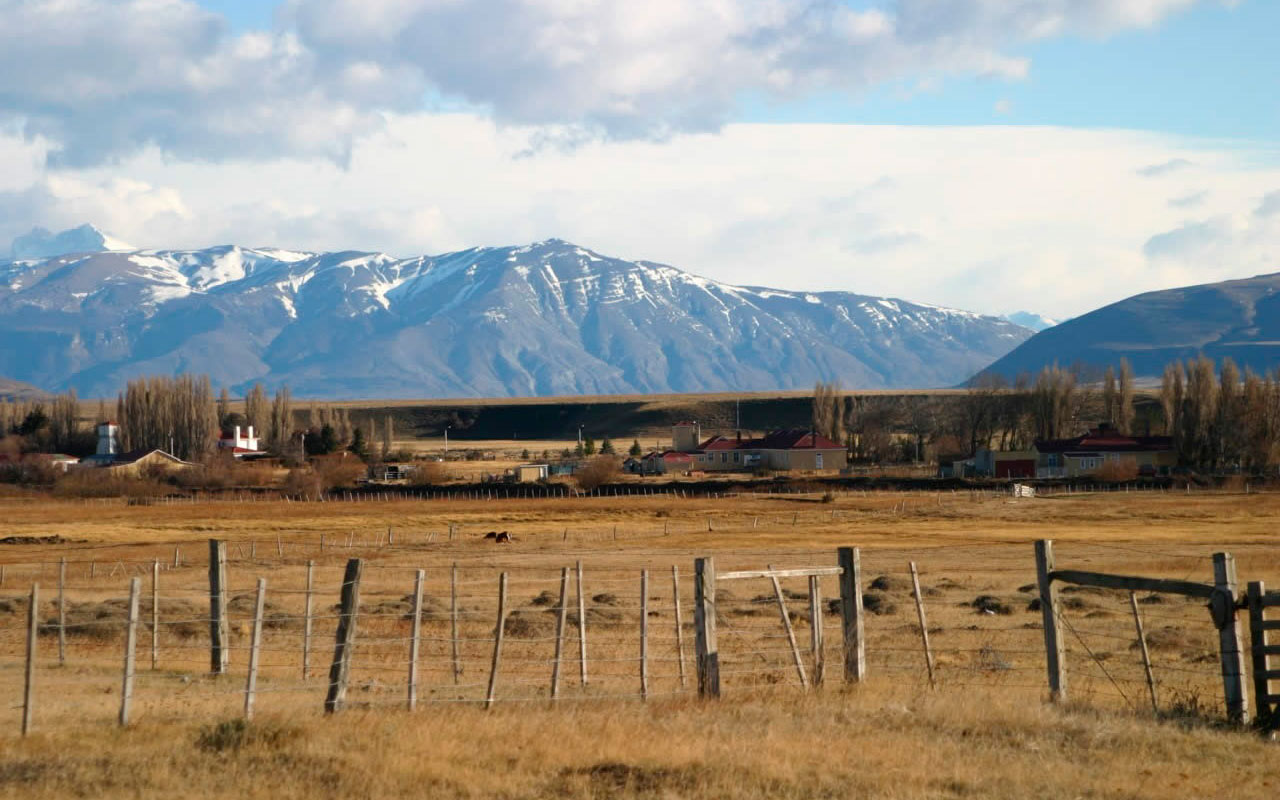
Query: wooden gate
<point>1266,670</point>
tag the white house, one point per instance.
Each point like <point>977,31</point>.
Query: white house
<point>239,445</point>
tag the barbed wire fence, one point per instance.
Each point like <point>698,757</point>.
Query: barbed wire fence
<point>422,627</point>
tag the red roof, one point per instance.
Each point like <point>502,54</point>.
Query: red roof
<point>794,439</point>
<point>1105,439</point>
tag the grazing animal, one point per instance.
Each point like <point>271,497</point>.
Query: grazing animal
<point>498,537</point>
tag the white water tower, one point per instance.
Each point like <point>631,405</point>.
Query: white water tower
<point>108,438</point>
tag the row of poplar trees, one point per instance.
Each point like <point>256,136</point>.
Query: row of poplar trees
<point>180,416</point>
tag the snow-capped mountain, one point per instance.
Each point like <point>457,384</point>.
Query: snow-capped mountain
<point>545,319</point>
<point>1032,320</point>
<point>41,243</point>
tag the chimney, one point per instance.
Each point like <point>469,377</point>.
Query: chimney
<point>236,441</point>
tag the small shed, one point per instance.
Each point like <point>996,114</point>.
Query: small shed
<point>531,473</point>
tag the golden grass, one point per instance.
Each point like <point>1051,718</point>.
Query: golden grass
<point>984,733</point>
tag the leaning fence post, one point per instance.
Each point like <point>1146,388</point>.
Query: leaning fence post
<point>418,578</point>
<point>1051,613</point>
<point>815,629</point>
<point>345,640</point>
<point>855,645</point>
<point>791,634</point>
<point>255,647</point>
<point>1223,606</point>
<point>704,625</point>
<point>62,611</point>
<point>582,627</point>
<point>1146,653</point>
<point>562,613</point>
<point>130,649</point>
<point>675,596</point>
<point>924,626</point>
<point>29,678</point>
<point>491,695</point>
<point>219,626</point>
<point>644,634</point>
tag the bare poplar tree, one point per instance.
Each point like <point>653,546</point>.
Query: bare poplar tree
<point>281,421</point>
<point>388,436</point>
<point>224,405</point>
<point>1124,413</point>
<point>257,411</point>
<point>1109,396</point>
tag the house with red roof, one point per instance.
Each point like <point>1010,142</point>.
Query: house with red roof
<point>798,449</point>
<point>1085,455</point>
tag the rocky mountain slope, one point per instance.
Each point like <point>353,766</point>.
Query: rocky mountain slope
<point>545,319</point>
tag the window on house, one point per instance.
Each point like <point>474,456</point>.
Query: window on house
<point>737,457</point>
<point>817,463</point>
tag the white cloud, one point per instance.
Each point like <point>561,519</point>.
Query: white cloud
<point>102,79</point>
<point>986,218</point>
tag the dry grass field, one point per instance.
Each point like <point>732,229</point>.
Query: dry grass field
<point>985,731</point>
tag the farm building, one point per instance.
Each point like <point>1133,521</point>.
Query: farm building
<point>134,463</point>
<point>663,463</point>
<point>237,444</point>
<point>392,472</point>
<point>530,473</point>
<point>1084,455</point>
<point>798,449</point>
<point>1005,463</point>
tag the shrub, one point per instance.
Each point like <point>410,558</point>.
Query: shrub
<point>599,471</point>
<point>1117,471</point>
<point>94,482</point>
<point>429,473</point>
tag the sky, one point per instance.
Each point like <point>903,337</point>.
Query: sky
<point>992,155</point>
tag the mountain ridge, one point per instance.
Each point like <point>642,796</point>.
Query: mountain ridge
<point>1237,318</point>
<point>532,320</point>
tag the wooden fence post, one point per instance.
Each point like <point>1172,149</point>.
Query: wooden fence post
<point>130,650</point>
<point>924,626</point>
<point>1146,653</point>
<point>29,677</point>
<point>816,649</point>
<point>791,634</point>
<point>582,626</point>
<point>306,621</point>
<point>62,611</point>
<point>155,613</point>
<point>492,694</point>
<point>418,579</point>
<point>255,648</point>
<point>1223,605</point>
<point>675,596</point>
<point>704,625</point>
<point>219,625</point>
<point>340,670</point>
<point>453,621</point>
<point>562,615</point>
<point>644,634</point>
<point>855,644</point>
<point>1051,614</point>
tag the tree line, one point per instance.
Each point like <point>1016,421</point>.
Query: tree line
<point>1217,417</point>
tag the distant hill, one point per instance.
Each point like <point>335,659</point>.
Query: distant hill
<point>550,318</point>
<point>16,390</point>
<point>1240,319</point>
